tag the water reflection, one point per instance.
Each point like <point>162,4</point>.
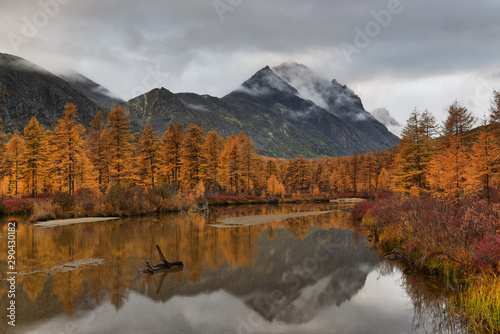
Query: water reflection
<point>307,274</point>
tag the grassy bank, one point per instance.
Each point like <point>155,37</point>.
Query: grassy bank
<point>118,202</point>
<point>457,242</point>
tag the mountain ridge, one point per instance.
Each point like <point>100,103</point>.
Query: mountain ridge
<point>274,112</point>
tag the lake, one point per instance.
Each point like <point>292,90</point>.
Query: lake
<point>311,274</point>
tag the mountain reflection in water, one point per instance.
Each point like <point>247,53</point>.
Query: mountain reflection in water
<point>298,274</point>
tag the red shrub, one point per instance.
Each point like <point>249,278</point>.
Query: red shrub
<point>487,251</point>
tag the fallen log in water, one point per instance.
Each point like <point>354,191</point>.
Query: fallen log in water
<point>162,266</point>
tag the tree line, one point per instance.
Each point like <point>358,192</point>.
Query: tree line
<point>448,160</point>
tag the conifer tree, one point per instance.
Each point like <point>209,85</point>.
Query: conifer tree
<point>230,164</point>
<point>247,162</point>
<point>448,170</point>
<point>271,168</point>
<point>15,152</point>
<point>383,182</point>
<point>3,150</point>
<point>495,113</point>
<point>483,166</point>
<point>148,158</point>
<point>213,150</point>
<point>97,149</point>
<point>413,158</point>
<point>193,157</point>
<point>68,149</point>
<point>458,122</point>
<point>35,155</point>
<point>171,145</point>
<point>118,142</point>
<point>302,173</point>
<point>353,168</point>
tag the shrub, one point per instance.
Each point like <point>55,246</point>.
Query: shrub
<point>43,211</point>
<point>64,200</point>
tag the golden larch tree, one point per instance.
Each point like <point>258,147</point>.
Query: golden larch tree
<point>15,152</point>
<point>247,163</point>
<point>447,172</point>
<point>35,155</point>
<point>97,147</point>
<point>193,157</point>
<point>483,166</point>
<point>213,150</point>
<point>230,168</point>
<point>68,146</point>
<point>171,148</point>
<point>118,141</point>
<point>149,156</point>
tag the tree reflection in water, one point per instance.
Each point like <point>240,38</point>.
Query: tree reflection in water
<point>286,271</point>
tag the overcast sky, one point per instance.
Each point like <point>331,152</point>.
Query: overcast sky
<point>393,54</point>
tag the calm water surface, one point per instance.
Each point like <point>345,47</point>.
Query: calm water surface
<point>302,275</point>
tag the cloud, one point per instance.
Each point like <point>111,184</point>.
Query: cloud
<point>114,42</point>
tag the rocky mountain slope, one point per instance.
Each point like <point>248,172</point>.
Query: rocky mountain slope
<point>288,110</point>
<point>281,120</point>
<point>92,90</point>
<point>29,90</point>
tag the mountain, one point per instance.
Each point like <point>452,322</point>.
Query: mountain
<point>29,90</point>
<point>92,90</point>
<point>288,111</point>
<point>337,99</point>
<point>384,117</point>
<point>280,119</point>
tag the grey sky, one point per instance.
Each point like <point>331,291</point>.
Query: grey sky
<point>425,55</point>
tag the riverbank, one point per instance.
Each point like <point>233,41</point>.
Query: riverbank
<point>133,201</point>
<point>458,243</point>
<point>72,221</point>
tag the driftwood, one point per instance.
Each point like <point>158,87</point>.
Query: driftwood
<point>162,266</point>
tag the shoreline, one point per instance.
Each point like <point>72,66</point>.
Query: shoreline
<point>263,219</point>
<point>72,221</point>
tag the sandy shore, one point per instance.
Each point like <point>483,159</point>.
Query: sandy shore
<point>62,222</point>
<point>347,200</point>
<point>262,219</point>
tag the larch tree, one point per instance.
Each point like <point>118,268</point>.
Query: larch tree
<point>171,147</point>
<point>213,150</point>
<point>148,158</point>
<point>458,121</point>
<point>118,141</point>
<point>495,113</point>
<point>230,170</point>
<point>15,152</point>
<point>448,169</point>
<point>353,169</point>
<point>193,157</point>
<point>247,155</point>
<point>97,147</point>
<point>3,150</point>
<point>368,172</point>
<point>483,166</point>
<point>69,145</point>
<point>302,173</point>
<point>35,155</point>
<point>414,152</point>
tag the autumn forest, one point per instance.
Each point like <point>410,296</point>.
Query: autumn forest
<point>73,159</point>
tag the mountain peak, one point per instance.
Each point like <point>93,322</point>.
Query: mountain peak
<point>265,82</point>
